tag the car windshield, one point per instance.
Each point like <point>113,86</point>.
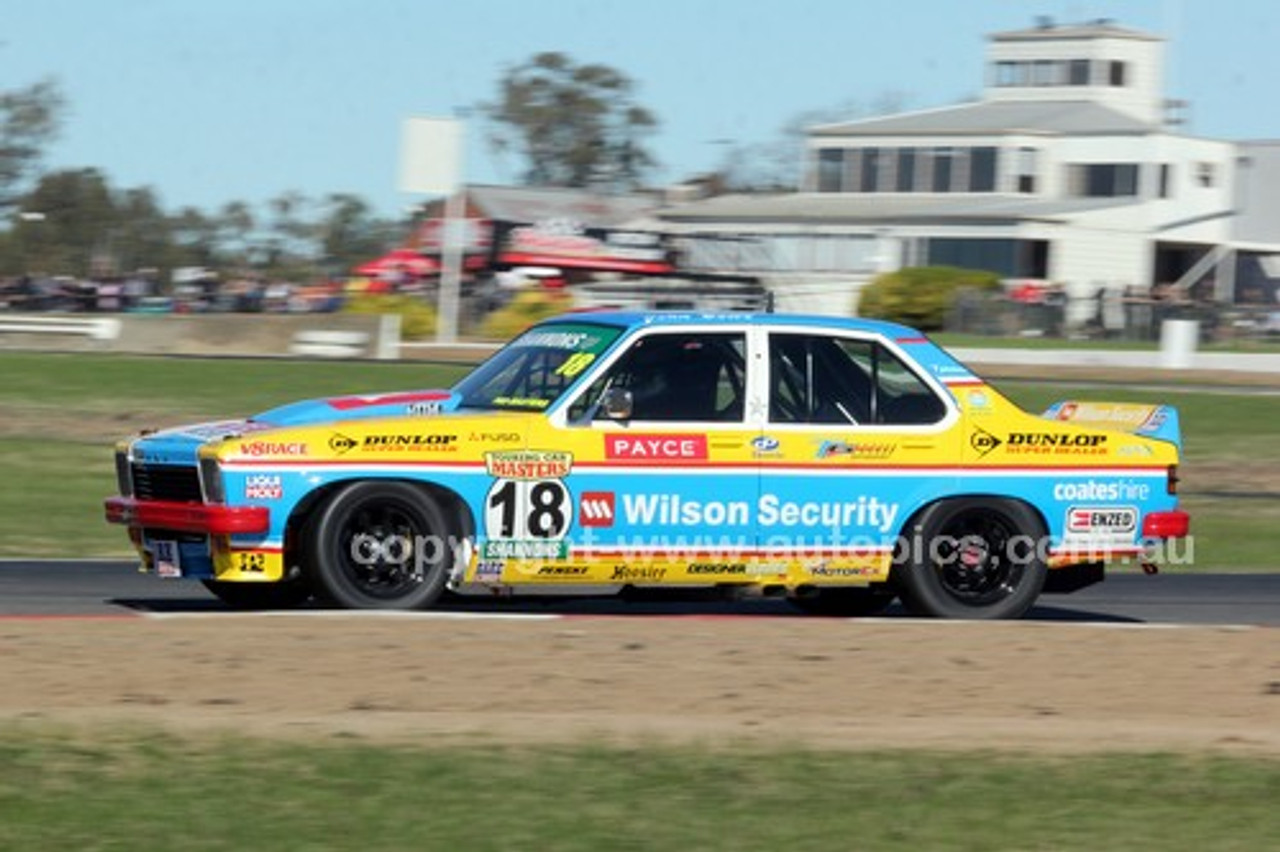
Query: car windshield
<point>537,367</point>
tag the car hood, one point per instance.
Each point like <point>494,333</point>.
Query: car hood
<point>180,444</point>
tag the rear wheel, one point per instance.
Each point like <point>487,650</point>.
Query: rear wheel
<point>380,545</point>
<point>973,558</point>
<point>285,594</point>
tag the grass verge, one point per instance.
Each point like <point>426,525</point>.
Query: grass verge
<point>158,792</point>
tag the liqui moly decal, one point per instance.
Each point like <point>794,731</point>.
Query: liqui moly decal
<point>263,487</point>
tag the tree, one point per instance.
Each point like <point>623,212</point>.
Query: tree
<point>77,222</point>
<point>29,120</point>
<point>575,125</point>
<point>235,224</point>
<point>350,235</point>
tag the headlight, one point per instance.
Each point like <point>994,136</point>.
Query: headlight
<point>211,481</point>
<point>124,473</point>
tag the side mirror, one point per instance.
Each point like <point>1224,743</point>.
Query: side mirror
<point>616,404</point>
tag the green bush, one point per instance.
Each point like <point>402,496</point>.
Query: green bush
<point>417,318</point>
<point>921,296</point>
<point>528,307</point>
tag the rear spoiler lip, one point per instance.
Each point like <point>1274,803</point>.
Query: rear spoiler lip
<point>1158,422</point>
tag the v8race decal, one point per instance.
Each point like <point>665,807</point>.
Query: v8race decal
<point>527,510</point>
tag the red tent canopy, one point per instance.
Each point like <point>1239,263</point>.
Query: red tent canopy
<point>398,260</point>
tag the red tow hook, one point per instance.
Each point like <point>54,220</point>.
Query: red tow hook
<point>1150,569</point>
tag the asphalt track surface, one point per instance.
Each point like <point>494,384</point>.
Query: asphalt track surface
<point>109,588</point>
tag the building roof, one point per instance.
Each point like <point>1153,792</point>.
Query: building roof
<point>1046,30</point>
<point>1059,118</point>
<point>874,208</point>
<point>537,204</point>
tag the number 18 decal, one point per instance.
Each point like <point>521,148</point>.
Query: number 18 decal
<point>524,509</point>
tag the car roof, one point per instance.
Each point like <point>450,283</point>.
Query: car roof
<point>650,319</point>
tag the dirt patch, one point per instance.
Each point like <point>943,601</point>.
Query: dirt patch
<point>819,682</point>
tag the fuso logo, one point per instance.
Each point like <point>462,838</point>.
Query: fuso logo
<point>648,447</point>
<point>595,509</point>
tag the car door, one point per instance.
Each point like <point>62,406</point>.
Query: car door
<point>857,435</point>
<point>667,493</point>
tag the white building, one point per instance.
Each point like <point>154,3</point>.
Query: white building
<point>1071,168</point>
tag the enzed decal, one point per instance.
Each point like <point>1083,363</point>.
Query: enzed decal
<point>650,447</point>
<point>263,487</point>
<point>1107,520</point>
<point>596,508</point>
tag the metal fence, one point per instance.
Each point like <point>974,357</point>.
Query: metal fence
<point>1108,316</point>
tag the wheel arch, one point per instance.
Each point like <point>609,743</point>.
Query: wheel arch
<point>920,511</point>
<point>450,501</point>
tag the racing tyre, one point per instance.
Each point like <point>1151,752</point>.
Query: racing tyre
<point>848,603</point>
<point>379,545</point>
<point>973,558</point>
<point>286,594</point>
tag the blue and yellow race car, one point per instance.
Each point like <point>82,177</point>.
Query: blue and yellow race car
<point>842,463</point>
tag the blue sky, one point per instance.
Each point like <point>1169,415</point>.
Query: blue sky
<point>206,102</point>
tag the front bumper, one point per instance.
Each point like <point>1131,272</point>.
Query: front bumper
<point>205,518</point>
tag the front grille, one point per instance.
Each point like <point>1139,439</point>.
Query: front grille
<point>179,483</point>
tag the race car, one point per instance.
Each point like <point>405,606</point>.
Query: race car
<point>841,463</point>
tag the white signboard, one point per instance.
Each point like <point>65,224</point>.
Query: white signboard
<point>431,156</point>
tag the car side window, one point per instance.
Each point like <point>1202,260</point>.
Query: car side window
<point>818,379</point>
<point>686,376</point>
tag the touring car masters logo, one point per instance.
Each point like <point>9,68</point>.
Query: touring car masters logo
<point>528,464</point>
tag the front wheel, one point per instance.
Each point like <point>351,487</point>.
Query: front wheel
<point>380,545</point>
<point>977,557</point>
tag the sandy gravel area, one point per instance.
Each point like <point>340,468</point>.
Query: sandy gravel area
<point>829,683</point>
